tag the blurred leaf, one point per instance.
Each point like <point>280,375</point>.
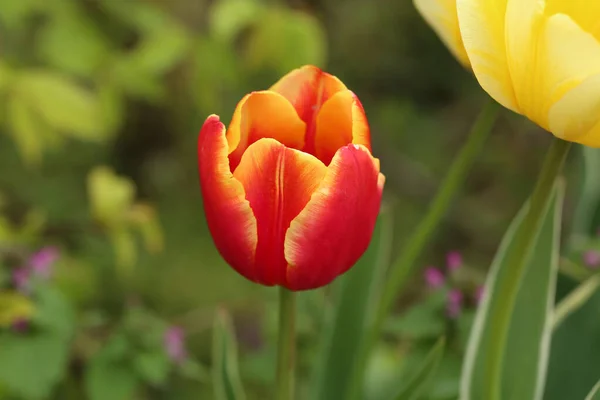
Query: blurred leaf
<point>54,312</point>
<point>134,81</point>
<point>31,365</point>
<point>14,13</point>
<point>161,50</point>
<point>70,41</point>
<point>109,377</point>
<point>153,367</point>
<point>423,320</point>
<point>6,75</point>
<point>594,393</point>
<point>589,199</point>
<point>575,300</point>
<point>63,104</point>
<point>14,306</point>
<point>286,39</point>
<point>112,105</point>
<point>526,349</point>
<point>192,369</point>
<point>110,195</point>
<point>145,218</point>
<point>421,379</point>
<point>346,326</point>
<point>125,250</point>
<point>229,17</point>
<point>226,380</point>
<point>25,128</point>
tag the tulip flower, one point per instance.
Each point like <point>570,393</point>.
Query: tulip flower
<point>539,58</point>
<point>291,191</point>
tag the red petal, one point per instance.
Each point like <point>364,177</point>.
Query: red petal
<point>279,181</point>
<point>335,227</point>
<point>263,115</point>
<point>341,121</point>
<point>228,213</point>
<point>308,88</point>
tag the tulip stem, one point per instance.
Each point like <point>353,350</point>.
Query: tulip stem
<point>403,267</point>
<point>287,345</point>
<point>517,261</point>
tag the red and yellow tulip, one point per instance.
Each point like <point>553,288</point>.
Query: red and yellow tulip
<point>291,190</point>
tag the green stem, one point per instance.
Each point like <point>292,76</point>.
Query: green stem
<point>517,262</point>
<point>404,266</point>
<point>287,345</point>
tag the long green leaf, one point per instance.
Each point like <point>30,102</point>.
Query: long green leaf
<point>589,198</point>
<point>226,379</point>
<point>526,350</point>
<point>594,393</point>
<point>415,387</point>
<point>354,297</point>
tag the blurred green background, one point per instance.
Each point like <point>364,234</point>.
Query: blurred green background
<point>101,103</point>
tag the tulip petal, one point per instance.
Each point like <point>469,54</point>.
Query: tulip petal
<point>441,15</point>
<point>228,213</point>
<point>482,28</point>
<point>279,182</point>
<point>585,12</point>
<point>523,24</point>
<point>308,88</point>
<point>571,56</point>
<point>334,229</point>
<point>340,122</point>
<point>576,117</point>
<point>260,115</point>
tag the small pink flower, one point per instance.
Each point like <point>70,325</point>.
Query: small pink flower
<point>41,261</point>
<point>174,342</point>
<point>453,261</point>
<point>434,277</point>
<point>591,258</point>
<point>454,304</point>
<point>479,294</point>
<point>21,325</point>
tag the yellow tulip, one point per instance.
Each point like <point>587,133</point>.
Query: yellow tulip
<point>539,58</point>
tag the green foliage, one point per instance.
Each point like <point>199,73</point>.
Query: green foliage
<point>345,327</point>
<point>594,393</point>
<point>415,387</point>
<point>526,350</point>
<point>226,380</point>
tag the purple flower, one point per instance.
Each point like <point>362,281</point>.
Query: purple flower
<point>20,278</point>
<point>174,342</point>
<point>434,277</point>
<point>20,325</point>
<point>41,261</point>
<point>454,304</point>
<point>591,258</point>
<point>453,260</point>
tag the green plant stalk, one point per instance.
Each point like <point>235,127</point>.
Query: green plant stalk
<point>404,266</point>
<point>517,260</point>
<point>286,347</point>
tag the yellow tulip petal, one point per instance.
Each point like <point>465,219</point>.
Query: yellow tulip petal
<point>585,12</point>
<point>523,23</point>
<point>570,56</point>
<point>441,15</point>
<point>576,117</point>
<point>482,28</point>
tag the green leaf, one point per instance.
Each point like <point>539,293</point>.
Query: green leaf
<point>594,393</point>
<point>286,39</point>
<point>418,383</point>
<point>575,299</point>
<point>530,326</point>
<point>110,195</point>
<point>229,17</point>
<point>31,365</point>
<point>153,367</point>
<point>54,312</point>
<point>108,375</point>
<point>63,104</point>
<point>589,199</point>
<point>226,380</point>
<point>24,126</point>
<point>345,328</point>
